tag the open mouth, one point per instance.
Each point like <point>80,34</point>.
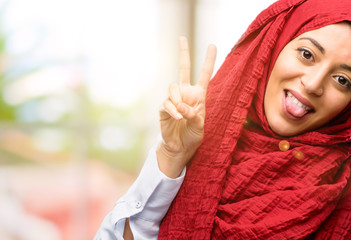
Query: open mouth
<point>295,106</point>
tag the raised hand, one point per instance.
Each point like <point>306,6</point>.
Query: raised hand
<point>182,115</point>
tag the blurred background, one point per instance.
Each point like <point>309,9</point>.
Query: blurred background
<point>81,82</point>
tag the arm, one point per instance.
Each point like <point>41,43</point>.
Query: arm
<point>182,125</point>
<point>182,117</point>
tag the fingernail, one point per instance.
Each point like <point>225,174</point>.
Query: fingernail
<point>180,116</point>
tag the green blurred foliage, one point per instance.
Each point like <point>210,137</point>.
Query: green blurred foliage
<point>7,112</point>
<point>81,126</point>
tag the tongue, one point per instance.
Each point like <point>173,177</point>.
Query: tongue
<point>294,109</point>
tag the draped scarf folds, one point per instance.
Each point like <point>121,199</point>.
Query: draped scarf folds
<point>240,184</point>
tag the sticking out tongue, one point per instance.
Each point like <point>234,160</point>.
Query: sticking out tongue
<point>294,109</point>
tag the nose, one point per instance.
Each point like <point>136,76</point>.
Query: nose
<point>313,82</point>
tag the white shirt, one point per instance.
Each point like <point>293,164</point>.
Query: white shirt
<point>145,204</point>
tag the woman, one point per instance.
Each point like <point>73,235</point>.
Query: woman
<point>274,159</point>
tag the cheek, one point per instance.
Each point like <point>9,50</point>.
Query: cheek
<point>283,70</point>
<point>336,102</point>
<point>286,66</point>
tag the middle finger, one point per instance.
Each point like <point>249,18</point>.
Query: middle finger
<point>184,61</point>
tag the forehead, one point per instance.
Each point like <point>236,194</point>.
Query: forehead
<point>331,36</point>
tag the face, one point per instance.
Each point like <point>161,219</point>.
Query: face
<point>310,82</point>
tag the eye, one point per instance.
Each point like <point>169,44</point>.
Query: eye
<point>306,54</point>
<point>343,81</point>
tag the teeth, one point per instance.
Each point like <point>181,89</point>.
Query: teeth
<point>297,102</point>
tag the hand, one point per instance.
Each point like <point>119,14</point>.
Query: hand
<point>182,115</point>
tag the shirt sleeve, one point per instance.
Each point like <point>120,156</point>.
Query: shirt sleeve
<point>145,204</point>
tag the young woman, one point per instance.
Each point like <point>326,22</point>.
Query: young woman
<point>271,157</point>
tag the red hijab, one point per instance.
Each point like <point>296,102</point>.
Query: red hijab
<point>240,185</point>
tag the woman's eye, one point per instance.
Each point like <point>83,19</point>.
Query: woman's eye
<point>343,81</point>
<point>305,54</point>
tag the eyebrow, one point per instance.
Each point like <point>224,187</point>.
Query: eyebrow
<point>346,67</point>
<point>314,42</point>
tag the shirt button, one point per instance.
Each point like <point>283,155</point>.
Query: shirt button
<point>137,204</point>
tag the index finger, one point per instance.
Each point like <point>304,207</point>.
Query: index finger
<point>207,68</point>
<point>184,61</point>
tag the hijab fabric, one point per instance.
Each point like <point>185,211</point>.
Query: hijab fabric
<point>245,182</point>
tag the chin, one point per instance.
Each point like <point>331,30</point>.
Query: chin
<point>283,129</point>
<point>283,132</point>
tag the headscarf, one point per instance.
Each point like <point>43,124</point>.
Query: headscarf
<point>240,184</point>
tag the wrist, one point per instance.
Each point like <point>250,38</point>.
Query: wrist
<point>169,162</point>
